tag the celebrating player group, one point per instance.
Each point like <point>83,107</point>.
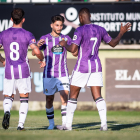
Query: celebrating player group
<point>88,70</point>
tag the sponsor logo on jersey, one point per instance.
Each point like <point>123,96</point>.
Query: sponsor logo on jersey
<point>50,40</point>
<point>57,49</point>
<point>74,37</point>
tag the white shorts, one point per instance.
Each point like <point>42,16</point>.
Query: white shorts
<point>91,79</point>
<point>23,86</point>
<point>53,85</point>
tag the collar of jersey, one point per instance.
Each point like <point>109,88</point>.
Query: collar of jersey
<point>89,24</point>
<point>54,36</point>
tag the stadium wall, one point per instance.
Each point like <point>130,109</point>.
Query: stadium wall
<point>120,65</point>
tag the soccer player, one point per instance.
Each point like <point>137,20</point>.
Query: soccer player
<point>15,42</point>
<point>88,69</point>
<point>55,76</point>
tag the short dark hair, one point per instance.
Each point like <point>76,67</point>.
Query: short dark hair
<point>17,15</point>
<point>84,10</point>
<point>57,18</point>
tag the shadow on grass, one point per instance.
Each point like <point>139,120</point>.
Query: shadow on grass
<point>123,126</point>
<point>86,125</point>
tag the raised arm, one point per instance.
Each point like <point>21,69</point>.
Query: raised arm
<point>123,30</point>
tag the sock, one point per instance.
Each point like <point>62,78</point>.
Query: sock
<point>63,113</point>
<point>101,106</point>
<point>71,107</point>
<point>50,115</point>
<point>23,111</point>
<point>7,104</point>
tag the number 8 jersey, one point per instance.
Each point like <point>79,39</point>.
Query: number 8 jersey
<point>88,37</point>
<point>15,42</point>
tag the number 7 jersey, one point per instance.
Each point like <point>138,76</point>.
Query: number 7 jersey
<point>15,42</point>
<point>88,37</point>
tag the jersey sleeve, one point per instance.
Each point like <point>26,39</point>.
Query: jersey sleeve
<point>105,36</point>
<point>69,40</point>
<point>43,47</point>
<point>31,39</point>
<point>77,37</point>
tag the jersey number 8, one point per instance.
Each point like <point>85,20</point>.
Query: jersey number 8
<point>14,51</point>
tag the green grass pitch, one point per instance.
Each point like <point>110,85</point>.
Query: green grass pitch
<point>122,125</point>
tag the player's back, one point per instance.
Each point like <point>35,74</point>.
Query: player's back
<point>15,42</point>
<point>89,37</point>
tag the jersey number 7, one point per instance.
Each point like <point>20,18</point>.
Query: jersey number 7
<point>94,44</point>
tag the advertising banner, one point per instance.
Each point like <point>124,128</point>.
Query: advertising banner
<point>122,79</point>
<point>107,15</point>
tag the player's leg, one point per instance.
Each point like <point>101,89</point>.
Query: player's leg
<point>72,105</point>
<point>63,88</point>
<point>8,92</point>
<point>23,110</point>
<point>96,82</point>
<point>7,105</point>
<point>50,111</point>
<point>24,87</point>
<point>78,80</point>
<point>49,89</point>
<point>101,106</point>
<point>64,100</point>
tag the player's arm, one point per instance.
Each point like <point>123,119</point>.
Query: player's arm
<point>71,48</point>
<point>37,52</point>
<point>123,30</point>
<point>75,53</point>
<point>40,45</point>
<point>2,60</point>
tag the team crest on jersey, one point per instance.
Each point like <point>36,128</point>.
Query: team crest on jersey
<point>57,49</point>
<point>74,37</point>
<point>33,40</point>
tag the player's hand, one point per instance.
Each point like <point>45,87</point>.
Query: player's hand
<point>63,43</point>
<point>125,28</point>
<point>40,42</point>
<point>42,64</point>
<point>3,63</point>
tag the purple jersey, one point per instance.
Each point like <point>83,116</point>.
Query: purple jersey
<point>55,55</point>
<point>15,42</point>
<point>88,37</point>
